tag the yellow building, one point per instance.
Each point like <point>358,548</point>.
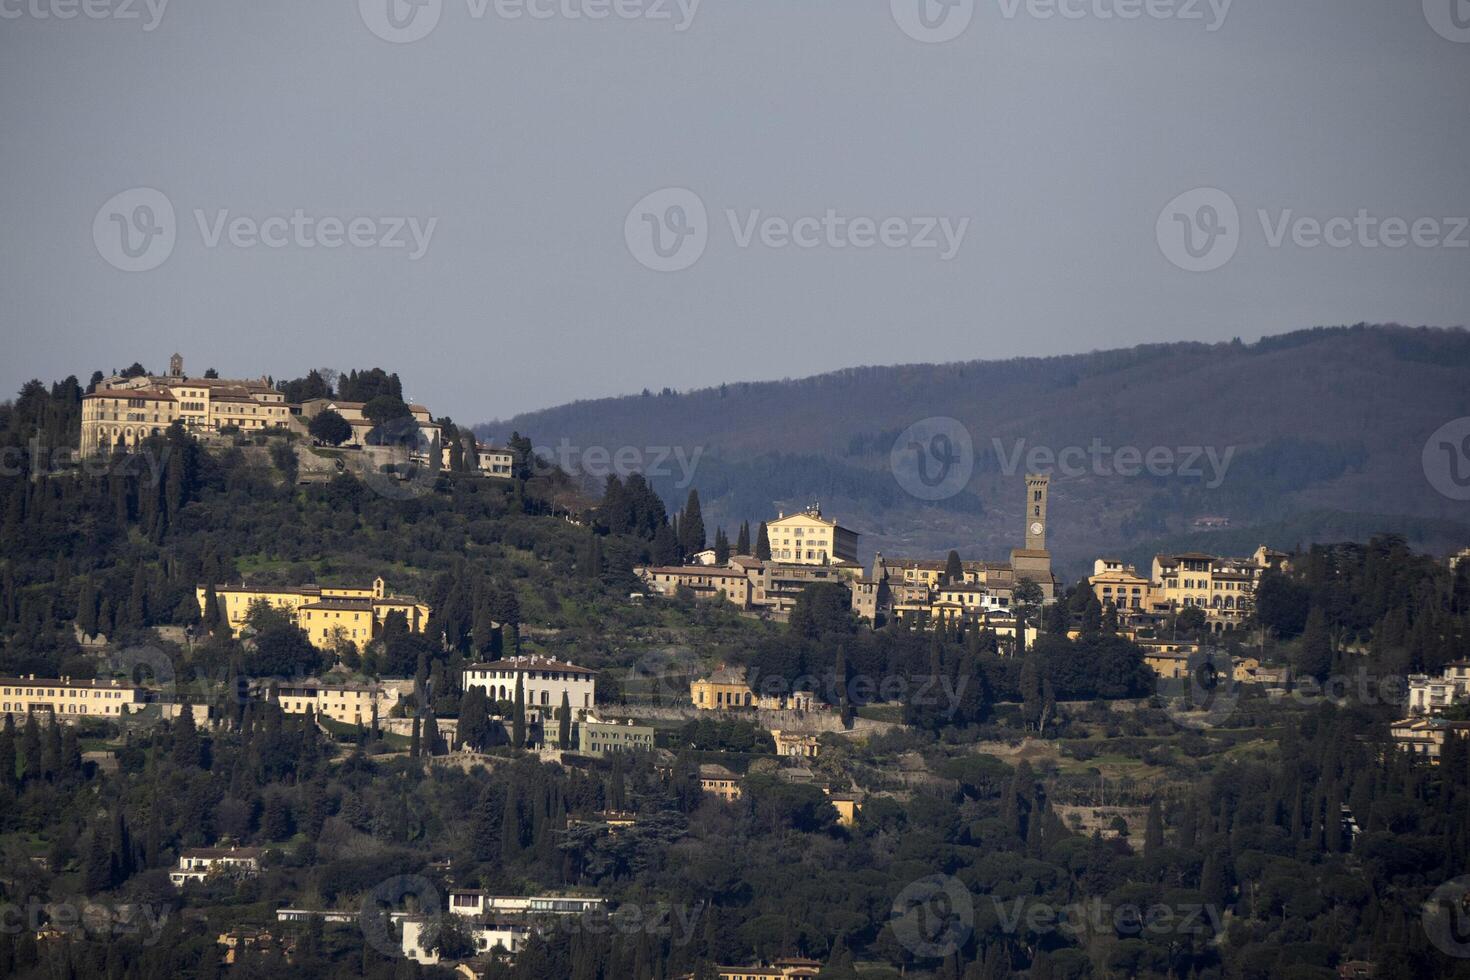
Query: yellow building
<point>66,698</point>
<point>328,614</point>
<point>719,781</point>
<point>1120,586</point>
<point>1224,588</point>
<point>1424,738</point>
<point>847,806</point>
<point>808,538</point>
<point>725,688</point>
<point>122,412</point>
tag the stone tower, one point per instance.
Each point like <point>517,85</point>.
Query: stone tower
<point>176,366</point>
<point>1036,490</point>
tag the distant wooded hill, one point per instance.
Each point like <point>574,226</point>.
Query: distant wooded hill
<point>1326,428</point>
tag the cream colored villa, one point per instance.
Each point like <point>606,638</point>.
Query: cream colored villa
<point>543,681</point>
<point>350,704</point>
<point>328,614</point>
<point>808,538</point>
<point>66,698</point>
<point>122,412</point>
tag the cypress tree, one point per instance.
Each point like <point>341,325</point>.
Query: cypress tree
<point>30,749</point>
<point>763,544</point>
<point>186,738</point>
<point>518,721</point>
<point>7,753</point>
<point>51,751</point>
<point>722,547</point>
<point>691,525</point>
<point>87,607</point>
<point>564,728</point>
<point>742,542</point>
<point>954,571</point>
<point>510,826</point>
<point>1153,835</point>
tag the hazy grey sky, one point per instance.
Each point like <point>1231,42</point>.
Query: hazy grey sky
<point>527,141</point>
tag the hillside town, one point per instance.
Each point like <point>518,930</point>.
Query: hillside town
<point>803,677</point>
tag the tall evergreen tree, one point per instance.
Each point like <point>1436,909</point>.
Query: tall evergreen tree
<point>742,542</point>
<point>691,525</point>
<point>763,544</point>
<point>518,720</point>
<point>564,726</point>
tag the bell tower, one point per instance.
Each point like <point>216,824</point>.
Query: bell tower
<point>1036,491</point>
<point>176,366</point>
